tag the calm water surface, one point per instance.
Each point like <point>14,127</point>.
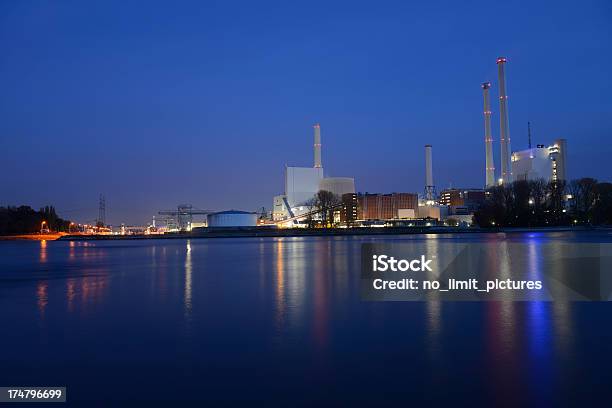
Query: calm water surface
<point>280,319</point>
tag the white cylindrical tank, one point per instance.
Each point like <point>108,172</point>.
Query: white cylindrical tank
<point>232,218</point>
<point>338,185</point>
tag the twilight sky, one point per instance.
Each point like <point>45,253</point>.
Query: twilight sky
<point>160,103</point>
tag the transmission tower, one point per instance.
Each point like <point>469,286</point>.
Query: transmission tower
<point>102,211</point>
<point>529,133</point>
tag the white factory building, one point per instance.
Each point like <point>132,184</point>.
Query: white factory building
<point>541,162</point>
<point>303,183</point>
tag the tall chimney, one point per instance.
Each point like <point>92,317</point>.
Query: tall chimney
<point>430,190</point>
<point>317,145</point>
<point>490,164</point>
<point>504,136</point>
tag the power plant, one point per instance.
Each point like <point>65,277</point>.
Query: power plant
<point>302,185</point>
<point>299,204</point>
<point>302,204</point>
<point>539,163</point>
<point>311,196</point>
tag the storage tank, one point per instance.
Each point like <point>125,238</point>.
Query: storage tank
<point>338,185</point>
<point>232,218</point>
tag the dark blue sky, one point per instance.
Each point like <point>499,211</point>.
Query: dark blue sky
<point>159,103</point>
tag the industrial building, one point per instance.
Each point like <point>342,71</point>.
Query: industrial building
<point>303,183</point>
<point>378,206</point>
<point>349,213</point>
<point>471,199</point>
<point>460,204</point>
<point>541,162</point>
<point>338,185</point>
<point>430,211</point>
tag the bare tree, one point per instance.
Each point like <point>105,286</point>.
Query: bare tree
<point>584,196</point>
<point>602,212</point>
<point>555,192</point>
<point>326,203</point>
<point>540,203</point>
<point>311,206</point>
<point>537,200</point>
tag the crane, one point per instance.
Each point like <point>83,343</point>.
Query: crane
<point>184,215</point>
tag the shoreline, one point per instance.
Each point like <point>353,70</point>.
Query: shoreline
<point>258,232</point>
<point>300,232</point>
<point>33,237</point>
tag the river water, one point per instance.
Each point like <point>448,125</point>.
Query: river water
<point>281,320</point>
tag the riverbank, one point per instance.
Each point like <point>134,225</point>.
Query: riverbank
<point>303,232</point>
<point>33,237</point>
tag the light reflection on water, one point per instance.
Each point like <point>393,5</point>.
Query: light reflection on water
<point>308,275</point>
<point>433,303</point>
<point>282,298</point>
<point>42,297</point>
<point>280,284</point>
<point>70,293</point>
<point>43,252</point>
<point>188,272</point>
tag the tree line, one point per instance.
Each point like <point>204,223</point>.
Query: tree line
<point>25,220</point>
<point>538,203</point>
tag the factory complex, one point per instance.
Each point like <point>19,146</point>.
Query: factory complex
<point>312,198</point>
<point>302,184</point>
<point>298,205</point>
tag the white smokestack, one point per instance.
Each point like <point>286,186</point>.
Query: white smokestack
<point>504,136</point>
<point>489,165</point>
<point>428,167</point>
<point>317,145</point>
<point>429,184</point>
